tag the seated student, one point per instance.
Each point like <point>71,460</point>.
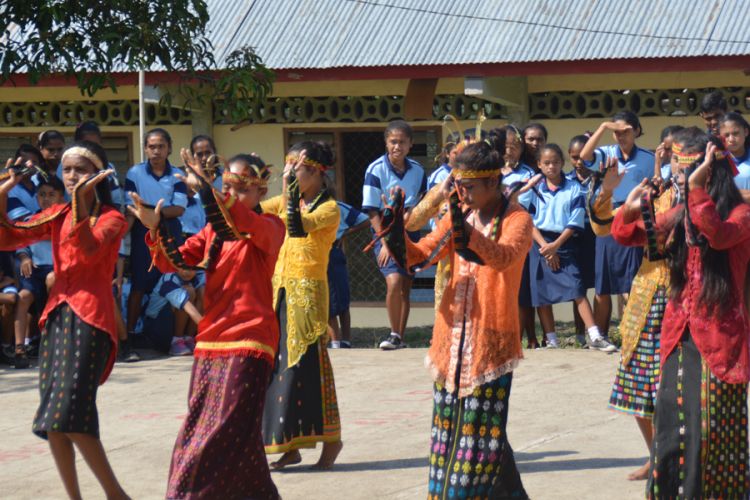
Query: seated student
<point>170,328</point>
<point>36,272</point>
<point>352,220</point>
<point>558,214</point>
<point>8,298</point>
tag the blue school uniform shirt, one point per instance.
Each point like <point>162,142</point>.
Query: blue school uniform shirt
<point>142,180</point>
<point>742,179</point>
<point>194,217</point>
<point>639,166</point>
<point>350,217</point>
<point>40,253</point>
<point>438,176</point>
<point>521,173</point>
<point>560,209</point>
<point>666,171</point>
<point>118,194</point>
<point>169,290</point>
<point>584,185</point>
<point>22,202</point>
<point>380,177</point>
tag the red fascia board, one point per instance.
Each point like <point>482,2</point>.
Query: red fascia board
<point>654,65</point>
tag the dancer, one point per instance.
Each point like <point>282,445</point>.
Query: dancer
<point>85,237</point>
<point>219,450</point>
<point>301,408</point>
<point>637,379</point>
<point>475,343</point>
<point>700,447</point>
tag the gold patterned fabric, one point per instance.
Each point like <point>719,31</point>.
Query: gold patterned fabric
<point>302,271</point>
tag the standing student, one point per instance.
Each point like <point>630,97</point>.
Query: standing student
<point>394,169</point>
<point>22,200</point>
<point>203,148</point>
<point>713,108</point>
<point>219,450</point>
<point>339,318</point>
<point>663,153</point>
<point>735,132</point>
<point>534,139</point>
<point>36,271</point>
<point>637,378</point>
<point>616,265</point>
<point>153,180</point>
<point>301,406</point>
<point>558,209</point>
<point>475,342</point>
<point>700,447</point>
<point>586,239</point>
<point>79,312</point>
<point>51,144</point>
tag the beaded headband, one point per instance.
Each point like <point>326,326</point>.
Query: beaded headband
<point>475,174</point>
<point>260,179</point>
<point>309,162</point>
<point>79,151</point>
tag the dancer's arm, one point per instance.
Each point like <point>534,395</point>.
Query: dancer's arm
<point>511,248</point>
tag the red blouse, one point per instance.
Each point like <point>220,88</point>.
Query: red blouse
<point>722,339</point>
<point>239,317</point>
<point>84,259</point>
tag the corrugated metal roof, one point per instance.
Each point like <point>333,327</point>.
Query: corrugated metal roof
<point>307,34</point>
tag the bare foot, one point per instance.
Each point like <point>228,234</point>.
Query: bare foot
<point>641,473</point>
<point>289,458</point>
<point>328,455</point>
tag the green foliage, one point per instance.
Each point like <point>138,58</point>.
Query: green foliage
<point>93,41</point>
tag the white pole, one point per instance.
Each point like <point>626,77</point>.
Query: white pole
<point>141,111</point>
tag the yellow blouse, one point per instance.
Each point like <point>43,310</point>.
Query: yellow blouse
<point>301,271</point>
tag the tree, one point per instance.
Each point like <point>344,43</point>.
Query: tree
<point>92,41</point>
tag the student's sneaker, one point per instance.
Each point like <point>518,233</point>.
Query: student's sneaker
<point>602,344</point>
<point>552,344</point>
<point>345,344</point>
<point>179,347</point>
<point>391,343</point>
<point>190,342</point>
<point>32,350</point>
<point>20,359</point>
<point>125,354</point>
<point>334,344</point>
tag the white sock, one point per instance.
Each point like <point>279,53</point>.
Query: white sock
<point>27,341</point>
<point>594,333</point>
<point>551,338</point>
<point>335,344</point>
<point>396,334</point>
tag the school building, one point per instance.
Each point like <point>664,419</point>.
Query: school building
<point>344,68</point>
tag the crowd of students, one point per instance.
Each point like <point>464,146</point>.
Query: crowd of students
<point>252,287</point>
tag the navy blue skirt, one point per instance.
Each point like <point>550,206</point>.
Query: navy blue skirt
<point>524,293</point>
<point>338,282</point>
<point>616,266</point>
<point>587,256</point>
<point>553,287</point>
<point>143,277</point>
<point>391,266</point>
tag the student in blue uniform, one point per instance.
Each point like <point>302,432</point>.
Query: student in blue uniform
<point>514,170</point>
<point>153,180</point>
<point>713,108</point>
<point>586,238</point>
<point>8,299</point>
<point>51,145</point>
<point>203,147</point>
<point>394,169</point>
<point>616,265</point>
<point>339,319</point>
<point>35,271</point>
<point>735,132</point>
<point>22,201</point>
<point>663,153</point>
<point>534,138</point>
<point>558,210</point>
<point>173,312</point>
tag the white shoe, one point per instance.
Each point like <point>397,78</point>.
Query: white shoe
<point>602,344</point>
<point>179,347</point>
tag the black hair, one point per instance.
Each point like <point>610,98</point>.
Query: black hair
<point>86,128</point>
<point>251,159</point>
<point>448,146</point>
<point>52,181</point>
<point>739,120</point>
<point>317,150</point>
<point>158,131</point>
<point>479,156</point>
<point>670,130</point>
<point>552,147</point>
<point>714,100</point>
<point>581,139</point>
<point>535,126</point>
<point>48,136</point>
<point>29,149</point>
<point>496,138</point>
<point>631,119</point>
<point>401,126</point>
<point>103,190</point>
<point>200,138</point>
<point>717,276</point>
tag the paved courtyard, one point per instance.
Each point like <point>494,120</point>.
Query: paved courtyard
<point>567,444</point>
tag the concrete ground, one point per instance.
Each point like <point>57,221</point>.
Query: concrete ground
<point>567,444</point>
